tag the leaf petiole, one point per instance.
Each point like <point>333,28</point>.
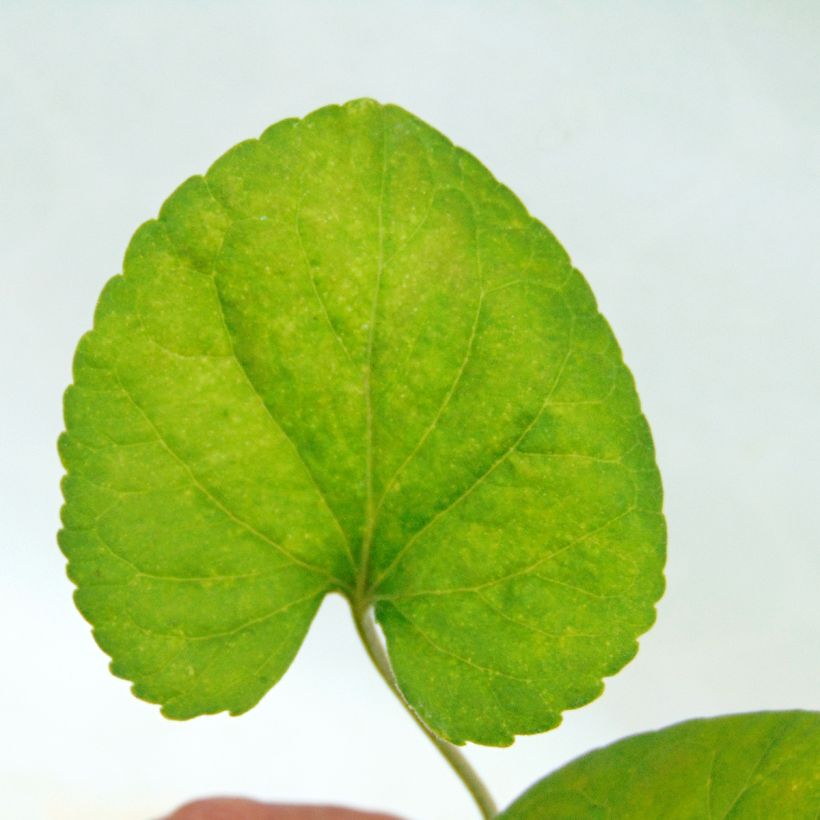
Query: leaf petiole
<point>366,627</point>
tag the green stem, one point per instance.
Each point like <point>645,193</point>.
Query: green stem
<point>366,628</point>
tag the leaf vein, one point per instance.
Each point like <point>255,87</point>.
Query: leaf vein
<point>467,661</point>
<point>312,278</point>
<point>216,502</point>
<point>255,390</point>
<point>453,387</point>
<point>228,632</point>
<point>483,476</point>
<point>517,573</point>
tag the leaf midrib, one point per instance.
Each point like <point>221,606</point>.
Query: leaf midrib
<point>361,598</point>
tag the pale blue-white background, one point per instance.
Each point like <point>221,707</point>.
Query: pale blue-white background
<point>674,148</point>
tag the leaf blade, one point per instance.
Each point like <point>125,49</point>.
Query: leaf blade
<point>740,766</point>
<point>348,357</point>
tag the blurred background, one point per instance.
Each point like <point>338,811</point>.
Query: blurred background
<point>674,149</point>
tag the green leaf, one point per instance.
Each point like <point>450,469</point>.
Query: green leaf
<point>347,359</point>
<point>762,765</point>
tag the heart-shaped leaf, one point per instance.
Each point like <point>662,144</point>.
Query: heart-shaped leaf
<point>764,765</point>
<point>347,359</point>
